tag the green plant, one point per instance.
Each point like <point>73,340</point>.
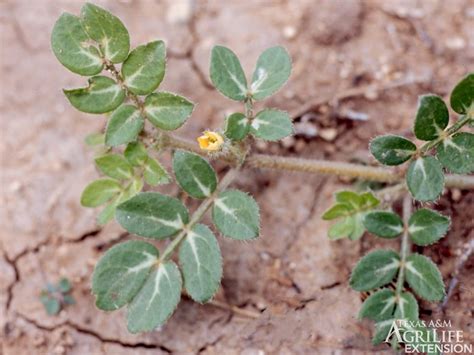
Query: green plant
<point>56,296</point>
<point>425,181</point>
<point>136,273</point>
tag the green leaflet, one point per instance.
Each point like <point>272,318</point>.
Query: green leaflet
<point>201,262</point>
<point>379,306</point>
<point>95,139</point>
<point>381,331</point>
<point>425,179</point>
<point>272,71</point>
<point>392,150</point>
<point>52,305</point>
<point>424,277</point>
<point>227,74</point>
<point>236,215</point>
<point>407,307</point>
<point>64,285</point>
<point>152,215</point>
<point>136,153</point>
<point>350,209</point>
<point>457,153</point>
<point>114,166</point>
<point>154,173</point>
<point>156,300</point>
<point>121,272</point>
<point>462,97</point>
<point>99,192</point>
<point>427,226</point>
<point>194,174</point>
<point>124,126</point>
<point>167,111</point>
<point>271,125</point>
<point>144,68</point>
<point>108,213</point>
<point>71,46</point>
<point>432,117</point>
<point>374,270</point>
<point>102,95</point>
<point>108,31</point>
<point>383,224</point>
<point>236,127</point>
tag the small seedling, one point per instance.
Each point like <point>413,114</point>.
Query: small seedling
<point>56,296</point>
<point>148,281</point>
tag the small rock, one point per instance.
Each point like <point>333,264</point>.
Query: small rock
<point>179,11</point>
<point>289,32</point>
<point>455,43</point>
<point>456,194</point>
<point>328,134</point>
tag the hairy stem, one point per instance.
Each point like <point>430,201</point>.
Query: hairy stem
<point>314,166</point>
<point>405,246</point>
<point>199,213</point>
<point>311,166</point>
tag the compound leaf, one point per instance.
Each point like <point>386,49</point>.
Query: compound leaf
<point>379,306</point>
<point>227,74</point>
<point>236,215</point>
<point>156,300</point>
<point>136,153</point>
<point>432,117</point>
<point>144,68</point>
<point>71,46</point>
<point>424,277</point>
<point>167,111</point>
<point>427,226</point>
<point>272,71</point>
<point>102,95</point>
<point>392,150</point>
<point>350,209</point>
<point>237,126</point>
<point>383,224</point>
<point>271,125</point>
<point>99,192</point>
<point>462,97</point>
<point>425,179</point>
<point>374,270</point>
<point>201,262</point>
<point>457,153</point>
<point>154,173</point>
<point>194,174</point>
<point>114,166</point>
<point>152,215</point>
<point>124,126</point>
<point>108,31</point>
<point>121,272</point>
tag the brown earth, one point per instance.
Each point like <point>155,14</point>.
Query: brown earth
<point>293,278</point>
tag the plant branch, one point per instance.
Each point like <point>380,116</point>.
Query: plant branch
<point>314,166</point>
<point>199,213</point>
<point>405,246</point>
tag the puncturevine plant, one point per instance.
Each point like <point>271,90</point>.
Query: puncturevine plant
<point>140,120</point>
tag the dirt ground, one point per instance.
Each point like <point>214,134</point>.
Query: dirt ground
<point>352,59</point>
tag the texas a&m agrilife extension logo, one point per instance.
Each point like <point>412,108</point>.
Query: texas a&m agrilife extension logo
<point>434,336</point>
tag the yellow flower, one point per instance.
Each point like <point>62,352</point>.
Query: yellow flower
<point>211,141</point>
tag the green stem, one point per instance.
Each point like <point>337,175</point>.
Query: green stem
<point>405,246</point>
<point>199,213</point>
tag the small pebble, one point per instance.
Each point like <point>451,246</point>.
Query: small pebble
<point>289,32</point>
